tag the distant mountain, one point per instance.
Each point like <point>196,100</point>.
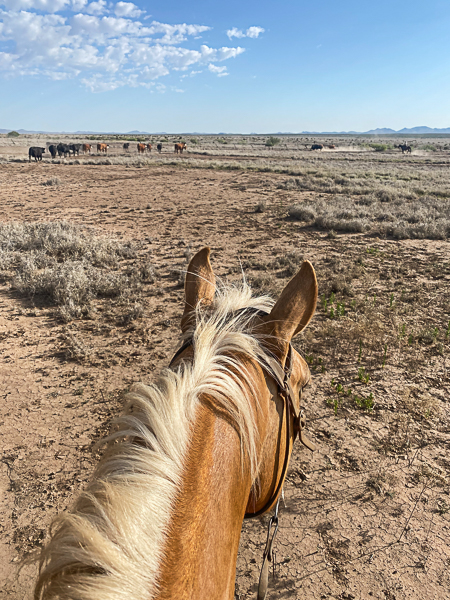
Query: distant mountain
<point>22,131</point>
<point>422,130</point>
<point>381,131</point>
<point>326,133</point>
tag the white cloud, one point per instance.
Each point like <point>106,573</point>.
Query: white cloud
<point>127,9</point>
<point>50,6</point>
<point>211,54</point>
<point>252,32</point>
<point>96,8</point>
<point>219,71</point>
<point>104,45</point>
<point>78,5</point>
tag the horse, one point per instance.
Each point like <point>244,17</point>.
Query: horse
<point>194,453</point>
<point>404,148</point>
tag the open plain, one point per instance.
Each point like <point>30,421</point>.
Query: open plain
<point>93,251</point>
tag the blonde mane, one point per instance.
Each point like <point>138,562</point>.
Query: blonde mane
<point>110,544</point>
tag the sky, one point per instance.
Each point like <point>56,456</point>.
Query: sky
<point>234,66</point>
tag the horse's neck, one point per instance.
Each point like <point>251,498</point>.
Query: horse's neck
<point>200,555</point>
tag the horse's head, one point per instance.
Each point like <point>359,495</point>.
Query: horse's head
<point>276,380</point>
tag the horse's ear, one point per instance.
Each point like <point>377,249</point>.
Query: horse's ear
<point>292,311</point>
<point>199,286</point>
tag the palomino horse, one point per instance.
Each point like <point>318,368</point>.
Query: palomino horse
<point>194,453</point>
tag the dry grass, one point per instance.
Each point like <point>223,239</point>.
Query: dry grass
<point>68,265</point>
<point>425,217</point>
<point>53,181</point>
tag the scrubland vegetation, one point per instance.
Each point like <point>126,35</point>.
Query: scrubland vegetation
<point>68,266</point>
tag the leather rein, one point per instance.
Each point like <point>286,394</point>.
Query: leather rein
<point>282,377</point>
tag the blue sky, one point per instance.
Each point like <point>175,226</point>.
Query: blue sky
<point>232,66</point>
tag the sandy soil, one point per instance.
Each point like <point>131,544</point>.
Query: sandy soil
<point>364,517</point>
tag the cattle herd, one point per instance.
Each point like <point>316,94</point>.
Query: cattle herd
<point>65,150</point>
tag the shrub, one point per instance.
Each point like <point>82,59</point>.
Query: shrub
<point>12,134</point>
<point>261,206</point>
<point>302,212</point>
<point>379,147</point>
<point>52,181</point>
<point>272,141</point>
<point>68,265</point>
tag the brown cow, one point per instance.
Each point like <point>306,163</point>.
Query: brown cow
<point>102,148</point>
<point>149,147</point>
<point>141,148</point>
<point>332,147</point>
<point>86,148</point>
<point>180,147</point>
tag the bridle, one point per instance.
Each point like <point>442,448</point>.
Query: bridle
<point>282,376</point>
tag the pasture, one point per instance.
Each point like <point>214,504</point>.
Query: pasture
<point>93,251</point>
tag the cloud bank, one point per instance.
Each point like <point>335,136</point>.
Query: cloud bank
<point>104,45</point>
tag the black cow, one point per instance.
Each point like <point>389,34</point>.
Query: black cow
<point>36,153</point>
<point>159,147</point>
<point>53,149</point>
<point>317,147</point>
<point>75,149</point>
<point>63,149</point>
<point>126,146</point>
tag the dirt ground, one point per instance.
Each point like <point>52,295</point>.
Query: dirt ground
<point>368,514</point>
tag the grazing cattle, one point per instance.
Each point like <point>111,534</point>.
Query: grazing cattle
<point>405,148</point>
<point>180,147</point>
<point>141,148</point>
<point>102,148</point>
<point>317,147</point>
<point>159,147</point>
<point>63,149</point>
<point>126,146</point>
<point>75,148</point>
<point>86,148</point>
<point>149,147</point>
<point>332,147</point>
<point>53,149</point>
<point>36,153</point>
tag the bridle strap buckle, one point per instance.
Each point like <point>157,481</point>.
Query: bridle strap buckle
<point>299,430</point>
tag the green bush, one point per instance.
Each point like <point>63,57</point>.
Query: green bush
<point>193,141</point>
<point>13,134</point>
<point>272,141</point>
<point>380,147</point>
